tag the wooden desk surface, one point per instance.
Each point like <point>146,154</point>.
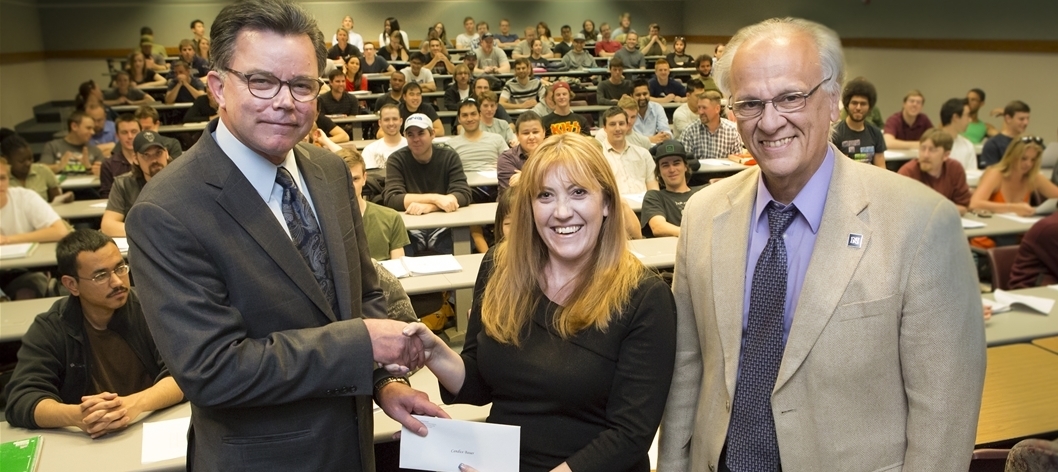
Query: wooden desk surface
<point>1019,394</point>
<point>1050,344</point>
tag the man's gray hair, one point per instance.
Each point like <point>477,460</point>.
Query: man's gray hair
<point>277,16</point>
<point>831,56</point>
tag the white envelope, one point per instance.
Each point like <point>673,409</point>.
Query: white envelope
<point>484,446</point>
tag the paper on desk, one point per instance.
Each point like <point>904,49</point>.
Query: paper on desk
<point>488,174</point>
<point>123,245</point>
<point>79,179</point>
<point>483,446</point>
<point>715,162</point>
<point>164,440</point>
<point>634,197</point>
<point>1020,219</point>
<point>1005,299</point>
<point>99,205</point>
<point>1053,287</point>
<point>971,224</point>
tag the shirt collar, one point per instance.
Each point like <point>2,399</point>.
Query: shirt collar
<point>259,171</point>
<point>809,201</point>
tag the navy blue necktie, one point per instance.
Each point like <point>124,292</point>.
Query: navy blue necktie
<point>751,441</point>
<point>306,234</point>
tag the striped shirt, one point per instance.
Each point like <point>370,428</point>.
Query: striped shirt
<point>515,92</point>
<point>701,144</point>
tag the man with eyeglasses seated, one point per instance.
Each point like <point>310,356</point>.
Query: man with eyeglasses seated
<point>90,360</point>
<point>149,159</point>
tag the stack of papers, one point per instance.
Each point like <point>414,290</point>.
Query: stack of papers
<point>1005,300</point>
<point>971,224</point>
<point>423,265</point>
<point>17,251</point>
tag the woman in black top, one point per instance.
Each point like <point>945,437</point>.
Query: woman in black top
<point>536,59</point>
<point>395,50</point>
<point>569,337</point>
<point>678,57</point>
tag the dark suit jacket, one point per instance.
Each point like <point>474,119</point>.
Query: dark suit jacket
<point>276,380</point>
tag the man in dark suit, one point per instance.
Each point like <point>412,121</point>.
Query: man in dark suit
<point>255,270</point>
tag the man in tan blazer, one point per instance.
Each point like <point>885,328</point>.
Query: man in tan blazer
<point>878,345</point>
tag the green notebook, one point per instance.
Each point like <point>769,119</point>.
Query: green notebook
<point>21,455</point>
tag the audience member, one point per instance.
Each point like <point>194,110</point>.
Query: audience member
<point>396,92</point>
<point>460,88</point>
<point>624,26</point>
<point>704,64</point>
<point>490,122</point>
<point>198,66</point>
<point>355,38</point>
<point>687,114</point>
<point>24,216</point>
<point>630,55</point>
<point>490,59</point>
<point>198,34</point>
<point>547,105</point>
<point>24,173</point>
<point>1009,185</point>
<point>439,62</point>
<point>120,161</point>
<point>149,159</point>
<point>148,118</point>
<point>389,121</point>
<point>124,92</point>
<point>202,48</point>
<point>609,323</point>
<point>485,84</point>
<point>355,80</point>
<point>954,116</point>
<point>664,89</point>
<point>505,38</point>
<point>337,101</point>
<point>390,26</point>
<point>632,166</point>
<point>663,208</point>
<point>87,93</point>
<point>154,60</point>
<point>631,109</point>
<point>543,33</point>
<point>936,170</point>
<point>90,361</point>
<point>653,44</point>
<point>423,178</point>
<point>1015,122</point>
<point>73,153</point>
<point>563,119</point>
<point>713,136</point>
<point>106,136</point>
<point>977,130</point>
<point>605,46</point>
<point>469,38</point>
<point>578,58</point>
<point>616,86</point>
<point>372,64</point>
<point>566,45</point>
<point>588,30</point>
<point>156,48</point>
<point>411,103</point>
<point>1036,264</point>
<point>718,52</point>
<point>530,134</point>
<point>417,74</point>
<point>523,91</point>
<point>333,132</point>
<point>203,109</point>
<point>854,136</point>
<point>396,47</point>
<point>183,87</point>
<point>679,58</point>
<point>524,48</point>
<point>342,49</point>
<point>140,74</point>
<point>386,234</point>
<point>478,150</point>
<point>652,120</point>
<point>536,58</point>
<point>904,127</point>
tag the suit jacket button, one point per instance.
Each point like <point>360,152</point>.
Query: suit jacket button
<point>712,467</point>
<point>728,405</point>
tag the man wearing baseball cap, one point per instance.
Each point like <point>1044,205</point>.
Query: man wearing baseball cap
<point>150,158</point>
<point>578,58</point>
<point>562,119</point>
<point>663,209</point>
<point>423,178</point>
<point>490,59</point>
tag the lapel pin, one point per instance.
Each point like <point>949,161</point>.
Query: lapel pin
<point>855,240</point>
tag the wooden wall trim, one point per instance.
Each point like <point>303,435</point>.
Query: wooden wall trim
<point>20,57</point>
<point>973,45</point>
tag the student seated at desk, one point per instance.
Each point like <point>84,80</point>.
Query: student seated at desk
<point>73,153</point>
<point>477,149</point>
<point>124,92</point>
<point>423,178</point>
<point>662,210</point>
<point>184,87</point>
<point>1036,264</point>
<point>411,104</point>
<point>1009,186</point>
<point>149,121</point>
<point>25,218</point>
<point>150,158</point>
<point>935,168</point>
<point>203,109</point>
<point>24,173</point>
<point>376,153</point>
<point>386,234</point>
<point>530,131</point>
<point>106,134</point>
<point>120,161</point>
<point>90,360</point>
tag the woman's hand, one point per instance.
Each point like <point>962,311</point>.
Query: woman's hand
<point>1022,209</point>
<point>430,343</point>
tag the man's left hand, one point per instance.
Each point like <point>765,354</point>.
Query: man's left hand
<point>400,401</point>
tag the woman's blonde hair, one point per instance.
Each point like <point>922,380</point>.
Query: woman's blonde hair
<point>603,287</point>
<point>1015,150</point>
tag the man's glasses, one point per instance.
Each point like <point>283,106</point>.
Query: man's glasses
<point>103,277</point>
<point>785,103</point>
<point>266,86</point>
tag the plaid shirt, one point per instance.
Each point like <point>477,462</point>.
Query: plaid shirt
<point>701,144</point>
